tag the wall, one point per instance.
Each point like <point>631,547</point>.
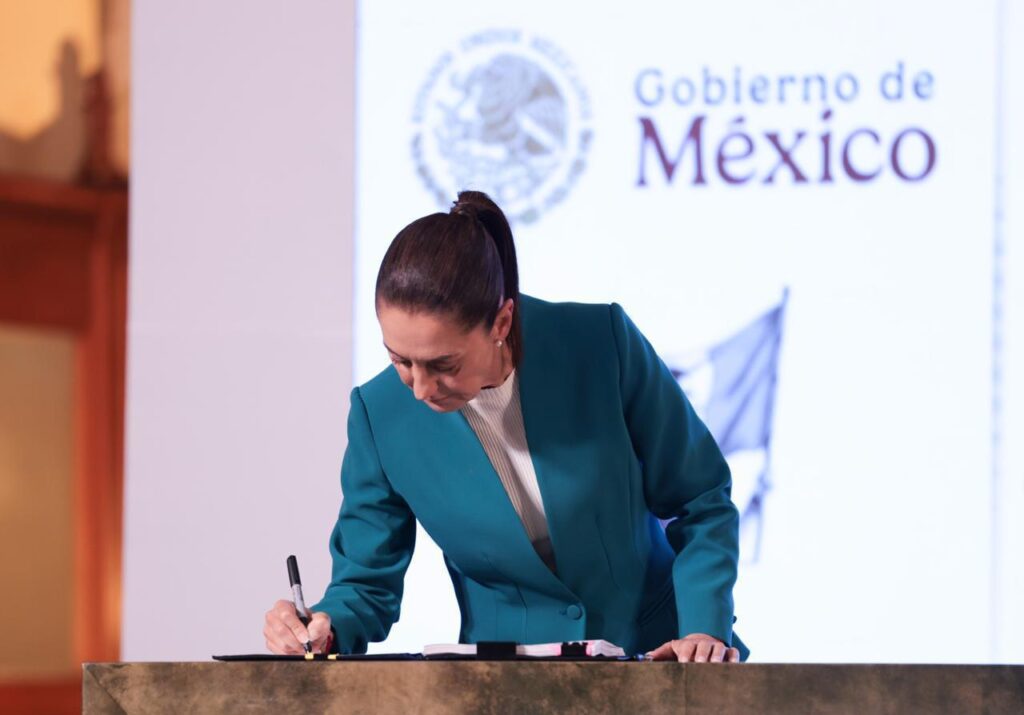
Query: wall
<point>239,356</point>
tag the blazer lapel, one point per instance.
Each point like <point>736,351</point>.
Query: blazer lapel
<point>468,476</point>
<point>548,419</point>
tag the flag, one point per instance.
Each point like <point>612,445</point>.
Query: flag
<point>732,388</point>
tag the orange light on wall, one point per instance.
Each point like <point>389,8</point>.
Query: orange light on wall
<point>32,35</point>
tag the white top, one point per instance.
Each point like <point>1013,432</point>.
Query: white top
<point>496,416</point>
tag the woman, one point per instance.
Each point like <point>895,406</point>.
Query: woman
<point>538,444</point>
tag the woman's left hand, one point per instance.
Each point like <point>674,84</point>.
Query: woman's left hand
<point>696,648</point>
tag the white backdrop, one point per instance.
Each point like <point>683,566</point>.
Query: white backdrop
<point>239,357</point>
<point>892,519</point>
<point>879,528</point>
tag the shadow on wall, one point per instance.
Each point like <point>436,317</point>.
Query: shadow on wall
<point>74,147</point>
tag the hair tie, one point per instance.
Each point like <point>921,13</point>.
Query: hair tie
<point>464,209</point>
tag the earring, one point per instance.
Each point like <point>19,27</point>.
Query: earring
<point>499,343</point>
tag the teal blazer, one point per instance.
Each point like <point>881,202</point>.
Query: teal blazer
<point>616,446</point>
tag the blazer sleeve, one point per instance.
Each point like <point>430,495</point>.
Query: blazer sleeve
<point>686,479</point>
<point>371,545</point>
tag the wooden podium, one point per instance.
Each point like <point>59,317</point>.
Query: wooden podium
<point>548,687</point>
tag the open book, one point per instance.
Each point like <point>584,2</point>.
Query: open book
<point>537,650</point>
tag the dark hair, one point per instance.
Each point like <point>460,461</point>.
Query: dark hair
<point>462,263</point>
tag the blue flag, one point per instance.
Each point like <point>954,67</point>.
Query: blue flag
<point>740,376</point>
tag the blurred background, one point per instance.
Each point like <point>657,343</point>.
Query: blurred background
<point>64,167</point>
<point>813,211</point>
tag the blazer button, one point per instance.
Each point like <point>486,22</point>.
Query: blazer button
<point>574,612</point>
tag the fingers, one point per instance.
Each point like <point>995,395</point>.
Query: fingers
<point>286,610</point>
<point>281,640</point>
<point>320,632</point>
<point>703,649</point>
<point>663,652</point>
<point>718,653</point>
<point>684,649</point>
<point>283,631</point>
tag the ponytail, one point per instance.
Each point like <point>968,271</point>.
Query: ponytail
<point>479,206</point>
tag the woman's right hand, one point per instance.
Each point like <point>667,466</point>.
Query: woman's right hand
<point>286,635</point>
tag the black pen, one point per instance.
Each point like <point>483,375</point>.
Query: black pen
<point>300,605</point>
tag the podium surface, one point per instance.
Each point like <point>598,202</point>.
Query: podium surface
<point>548,687</point>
